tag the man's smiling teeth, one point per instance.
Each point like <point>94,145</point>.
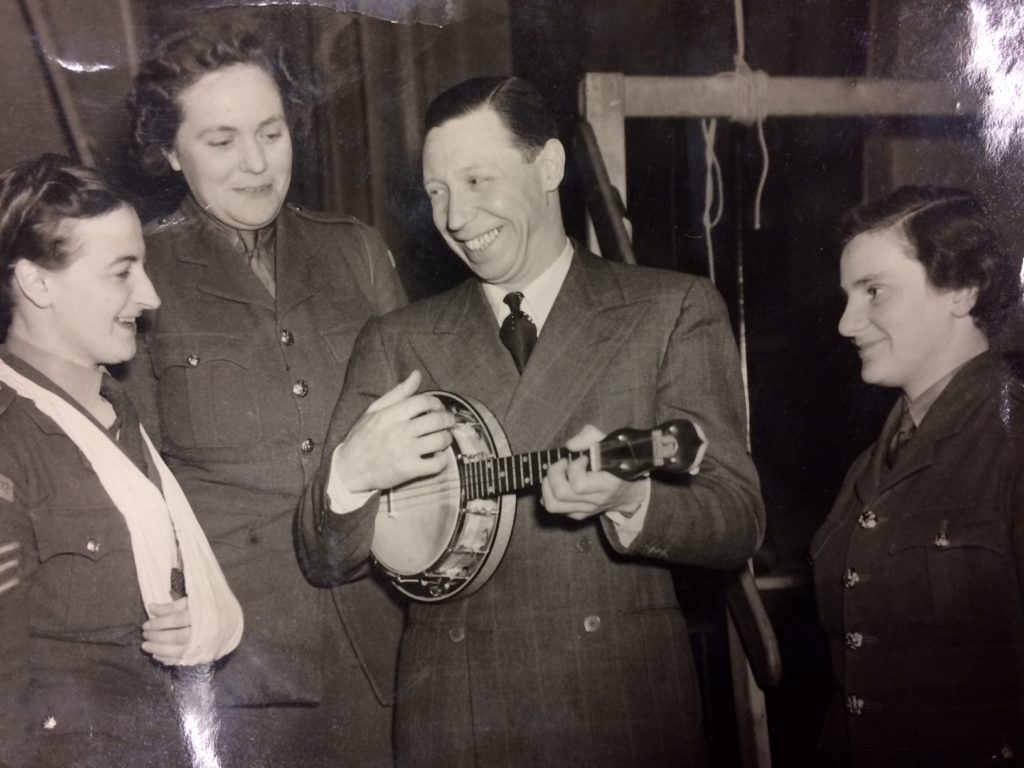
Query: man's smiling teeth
<point>126,320</point>
<point>478,243</point>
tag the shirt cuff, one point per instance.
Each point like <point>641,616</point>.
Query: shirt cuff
<point>340,500</point>
<point>624,527</point>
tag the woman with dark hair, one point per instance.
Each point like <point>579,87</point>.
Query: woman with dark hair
<point>100,553</point>
<point>920,565</point>
<point>243,364</point>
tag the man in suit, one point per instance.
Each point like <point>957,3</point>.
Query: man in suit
<point>575,651</point>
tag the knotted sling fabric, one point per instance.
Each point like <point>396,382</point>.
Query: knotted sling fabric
<point>160,525</point>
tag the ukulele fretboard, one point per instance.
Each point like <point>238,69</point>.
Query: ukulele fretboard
<point>488,477</point>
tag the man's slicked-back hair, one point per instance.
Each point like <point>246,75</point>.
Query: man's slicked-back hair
<point>951,234</point>
<point>518,104</point>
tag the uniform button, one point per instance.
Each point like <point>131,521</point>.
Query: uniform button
<point>850,578</point>
<point>307,445</point>
<point>300,388</point>
<point>286,337</point>
<point>854,705</point>
<point>192,360</point>
<point>1006,753</point>
<point>49,723</point>
<point>92,545</point>
<point>868,520</point>
<point>941,540</point>
<point>456,634</point>
<point>853,640</point>
<point>583,544</point>
<point>592,623</point>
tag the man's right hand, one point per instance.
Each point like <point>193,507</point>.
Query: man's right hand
<point>400,437</point>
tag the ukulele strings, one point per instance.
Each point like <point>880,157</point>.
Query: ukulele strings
<point>449,480</point>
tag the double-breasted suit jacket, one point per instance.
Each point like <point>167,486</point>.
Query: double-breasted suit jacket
<point>575,652</point>
<point>241,387</point>
<point>918,571</point>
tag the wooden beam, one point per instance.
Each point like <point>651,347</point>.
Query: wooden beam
<point>67,112</point>
<point>788,97</point>
<point>602,103</point>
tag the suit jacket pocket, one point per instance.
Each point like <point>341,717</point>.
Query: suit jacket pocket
<point>207,393</point>
<point>85,586</point>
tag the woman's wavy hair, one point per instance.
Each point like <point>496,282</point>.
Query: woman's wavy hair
<point>36,197</point>
<point>950,233</point>
<point>181,59</point>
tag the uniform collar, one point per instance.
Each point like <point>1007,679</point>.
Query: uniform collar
<point>265,238</point>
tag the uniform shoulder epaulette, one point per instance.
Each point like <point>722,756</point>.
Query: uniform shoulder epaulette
<point>160,223</point>
<point>324,217</point>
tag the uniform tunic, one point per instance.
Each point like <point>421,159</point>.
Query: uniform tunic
<point>75,687</point>
<point>918,571</point>
<point>242,386</point>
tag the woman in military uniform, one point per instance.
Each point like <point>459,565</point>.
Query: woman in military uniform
<point>919,567</point>
<point>262,301</point>
<point>100,554</point>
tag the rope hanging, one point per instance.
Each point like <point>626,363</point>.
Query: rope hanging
<point>749,88</point>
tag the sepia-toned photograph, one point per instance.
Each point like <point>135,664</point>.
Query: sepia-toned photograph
<point>512,383</point>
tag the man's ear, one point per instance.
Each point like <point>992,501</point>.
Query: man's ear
<point>552,164</point>
<point>172,158</point>
<point>963,300</point>
<point>33,282</point>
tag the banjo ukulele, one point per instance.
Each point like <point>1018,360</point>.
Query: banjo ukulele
<point>443,536</point>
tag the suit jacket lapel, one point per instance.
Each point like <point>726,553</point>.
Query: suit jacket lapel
<point>463,350</point>
<point>587,327</point>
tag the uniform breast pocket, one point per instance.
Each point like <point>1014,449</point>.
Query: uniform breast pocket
<point>208,394</point>
<point>86,581</point>
<point>952,566</point>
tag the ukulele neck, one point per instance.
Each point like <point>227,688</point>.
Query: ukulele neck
<point>488,477</point>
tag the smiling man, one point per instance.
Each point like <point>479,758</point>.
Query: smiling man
<point>575,651</point>
<point>918,568</point>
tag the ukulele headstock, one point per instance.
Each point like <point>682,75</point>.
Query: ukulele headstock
<point>675,447</point>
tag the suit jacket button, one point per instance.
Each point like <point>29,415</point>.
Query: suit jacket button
<point>457,634</point>
<point>287,338</point>
<point>300,388</point>
<point>92,546</point>
<point>592,623</point>
<point>192,360</point>
<point>49,723</point>
<point>307,445</point>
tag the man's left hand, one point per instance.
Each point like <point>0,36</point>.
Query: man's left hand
<point>570,488</point>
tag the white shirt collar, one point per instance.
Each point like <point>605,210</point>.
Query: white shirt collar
<point>539,296</point>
